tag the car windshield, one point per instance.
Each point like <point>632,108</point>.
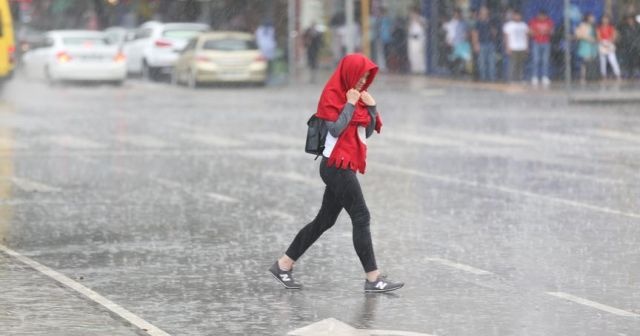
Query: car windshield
<point>181,34</point>
<point>85,41</point>
<point>229,45</point>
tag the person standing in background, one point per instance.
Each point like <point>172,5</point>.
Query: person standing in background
<point>587,47</point>
<point>266,41</point>
<point>607,36</point>
<point>456,38</point>
<point>541,28</point>
<point>417,42</point>
<point>312,42</point>
<point>516,44</point>
<point>484,38</point>
<point>629,45</point>
<point>398,57</point>
<point>385,32</point>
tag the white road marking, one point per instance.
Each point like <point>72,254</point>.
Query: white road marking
<point>142,141</point>
<point>8,144</point>
<point>168,183</point>
<point>130,317</point>
<point>459,266</point>
<point>296,177</point>
<point>553,138</point>
<point>23,123</point>
<point>184,126</point>
<point>287,217</point>
<point>577,176</point>
<point>422,139</point>
<point>74,142</point>
<point>483,137</point>
<point>517,154</point>
<point>334,327</point>
<point>617,135</point>
<point>213,140</point>
<point>277,139</point>
<point>432,92</point>
<point>268,153</point>
<point>116,169</point>
<point>32,186</point>
<point>507,190</point>
<point>222,198</point>
<point>87,160</point>
<point>593,304</point>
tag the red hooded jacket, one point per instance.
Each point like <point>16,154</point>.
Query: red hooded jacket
<point>349,152</point>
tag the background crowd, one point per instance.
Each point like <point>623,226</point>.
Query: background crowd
<point>497,46</point>
<point>492,43</point>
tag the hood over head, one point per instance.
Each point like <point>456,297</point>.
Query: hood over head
<point>349,71</point>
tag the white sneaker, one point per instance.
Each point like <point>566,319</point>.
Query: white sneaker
<point>545,81</point>
<point>534,81</point>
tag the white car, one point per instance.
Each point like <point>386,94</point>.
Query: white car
<point>76,55</point>
<point>155,46</point>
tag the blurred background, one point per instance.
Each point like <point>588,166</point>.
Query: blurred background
<point>403,36</point>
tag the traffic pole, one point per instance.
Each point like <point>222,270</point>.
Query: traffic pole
<point>365,9</point>
<point>291,27</point>
<point>567,47</point>
<point>349,11</point>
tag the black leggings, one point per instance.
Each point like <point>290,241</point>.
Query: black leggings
<point>342,191</point>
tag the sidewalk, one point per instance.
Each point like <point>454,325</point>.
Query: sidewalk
<point>596,92</point>
<point>606,92</point>
<point>33,304</point>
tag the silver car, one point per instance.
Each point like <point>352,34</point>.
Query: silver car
<point>221,57</point>
<point>154,47</point>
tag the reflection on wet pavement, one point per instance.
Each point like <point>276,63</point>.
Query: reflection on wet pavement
<point>504,213</point>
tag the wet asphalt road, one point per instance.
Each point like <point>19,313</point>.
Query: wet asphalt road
<point>504,213</point>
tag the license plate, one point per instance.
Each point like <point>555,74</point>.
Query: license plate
<point>234,73</point>
<point>92,58</point>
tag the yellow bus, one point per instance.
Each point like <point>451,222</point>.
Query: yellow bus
<point>7,43</point>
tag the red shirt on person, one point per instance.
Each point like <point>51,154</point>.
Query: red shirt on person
<point>606,32</point>
<point>541,29</point>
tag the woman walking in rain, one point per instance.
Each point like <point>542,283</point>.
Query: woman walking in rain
<point>350,114</point>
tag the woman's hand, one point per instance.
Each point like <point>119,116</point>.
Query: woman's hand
<point>367,98</point>
<point>353,96</point>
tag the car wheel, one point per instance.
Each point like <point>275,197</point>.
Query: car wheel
<point>148,72</point>
<point>49,78</point>
<point>192,82</point>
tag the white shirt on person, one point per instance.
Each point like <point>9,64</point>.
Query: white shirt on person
<point>330,141</point>
<point>517,35</point>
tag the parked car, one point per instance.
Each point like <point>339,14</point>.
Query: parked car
<point>220,57</point>
<point>154,48</point>
<point>76,55</point>
<point>26,36</point>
